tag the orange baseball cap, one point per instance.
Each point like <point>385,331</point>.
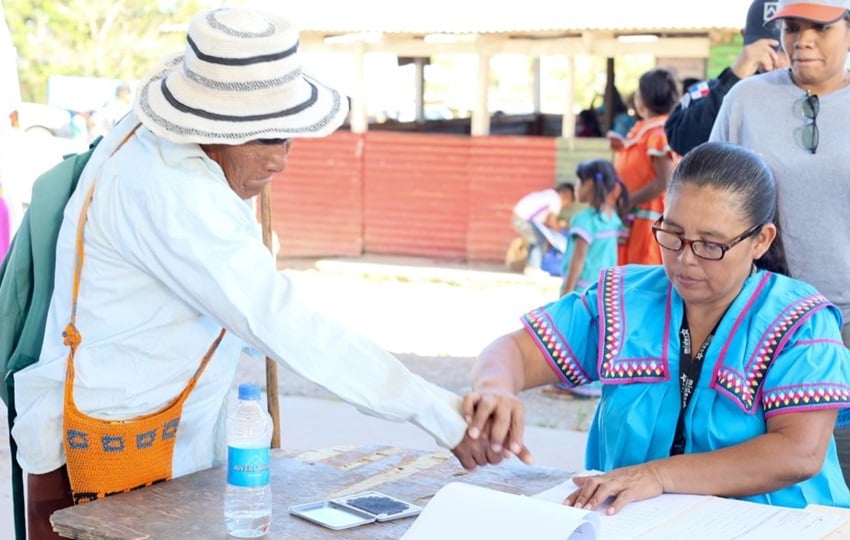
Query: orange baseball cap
<point>818,11</point>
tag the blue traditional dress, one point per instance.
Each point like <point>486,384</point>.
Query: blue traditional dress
<point>777,350</point>
<point>601,233</point>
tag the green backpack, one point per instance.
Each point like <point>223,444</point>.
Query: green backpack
<point>26,285</point>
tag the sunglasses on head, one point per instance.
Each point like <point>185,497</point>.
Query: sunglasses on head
<point>810,132</point>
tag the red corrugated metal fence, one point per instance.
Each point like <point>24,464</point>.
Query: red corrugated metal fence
<point>416,194</point>
<point>317,203</point>
<point>439,196</point>
<point>503,169</point>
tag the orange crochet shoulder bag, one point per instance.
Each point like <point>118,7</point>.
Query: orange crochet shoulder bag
<point>113,456</point>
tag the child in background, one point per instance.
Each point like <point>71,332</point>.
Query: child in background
<point>536,214</point>
<point>593,232</point>
<point>569,209</point>
<point>592,241</point>
<point>644,162</point>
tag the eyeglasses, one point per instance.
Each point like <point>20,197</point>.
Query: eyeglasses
<point>272,142</point>
<point>810,133</point>
<point>710,251</point>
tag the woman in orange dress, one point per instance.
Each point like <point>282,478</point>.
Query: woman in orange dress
<point>644,162</point>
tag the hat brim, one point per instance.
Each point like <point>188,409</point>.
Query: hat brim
<point>167,105</point>
<point>810,12</point>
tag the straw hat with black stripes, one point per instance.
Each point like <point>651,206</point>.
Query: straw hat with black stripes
<point>239,79</point>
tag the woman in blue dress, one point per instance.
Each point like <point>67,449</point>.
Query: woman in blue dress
<point>721,375</point>
<point>592,241</point>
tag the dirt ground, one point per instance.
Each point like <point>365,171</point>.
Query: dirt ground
<point>434,316</point>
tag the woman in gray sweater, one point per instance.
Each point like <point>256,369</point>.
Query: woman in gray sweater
<point>798,119</point>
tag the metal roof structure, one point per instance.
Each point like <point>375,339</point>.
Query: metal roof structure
<point>529,17</point>
<point>535,28</point>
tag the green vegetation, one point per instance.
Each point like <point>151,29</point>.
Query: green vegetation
<point>120,39</point>
<point>722,55</point>
<point>123,39</point>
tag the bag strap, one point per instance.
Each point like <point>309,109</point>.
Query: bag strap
<point>71,335</point>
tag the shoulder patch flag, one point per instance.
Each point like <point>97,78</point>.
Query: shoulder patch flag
<point>699,90</point>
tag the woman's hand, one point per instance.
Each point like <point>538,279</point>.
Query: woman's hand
<point>495,419</point>
<point>619,487</point>
<point>494,414</point>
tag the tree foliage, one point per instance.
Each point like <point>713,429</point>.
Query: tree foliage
<point>118,39</point>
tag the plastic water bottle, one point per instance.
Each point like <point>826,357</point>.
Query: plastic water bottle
<point>248,499</point>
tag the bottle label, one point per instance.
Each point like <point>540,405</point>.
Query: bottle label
<point>247,467</point>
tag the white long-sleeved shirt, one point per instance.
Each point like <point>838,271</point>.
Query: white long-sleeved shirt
<point>172,254</point>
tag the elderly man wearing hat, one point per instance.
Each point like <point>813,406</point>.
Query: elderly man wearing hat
<point>798,119</point>
<point>173,281</point>
<point>690,122</point>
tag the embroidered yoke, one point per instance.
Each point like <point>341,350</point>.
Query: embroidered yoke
<point>777,350</point>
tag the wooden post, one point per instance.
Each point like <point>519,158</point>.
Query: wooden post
<point>480,122</point>
<point>568,121</point>
<point>610,77</point>
<point>271,365</point>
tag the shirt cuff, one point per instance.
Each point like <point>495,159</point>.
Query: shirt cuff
<point>726,80</point>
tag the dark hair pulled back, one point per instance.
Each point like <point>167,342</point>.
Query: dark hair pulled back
<point>605,181</point>
<point>748,178</point>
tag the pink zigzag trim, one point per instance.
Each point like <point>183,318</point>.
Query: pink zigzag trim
<point>745,388</point>
<point>805,397</point>
<point>554,347</point>
<point>611,333</point>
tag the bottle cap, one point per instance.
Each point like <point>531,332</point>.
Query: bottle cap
<point>249,391</point>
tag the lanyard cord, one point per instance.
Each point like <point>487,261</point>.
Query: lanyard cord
<point>690,367</point>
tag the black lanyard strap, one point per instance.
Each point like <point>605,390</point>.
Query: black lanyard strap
<point>690,367</point>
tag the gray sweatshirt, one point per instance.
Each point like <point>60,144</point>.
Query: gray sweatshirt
<point>764,113</point>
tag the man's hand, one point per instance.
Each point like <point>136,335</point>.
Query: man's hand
<point>474,452</point>
<point>496,422</point>
<point>759,57</point>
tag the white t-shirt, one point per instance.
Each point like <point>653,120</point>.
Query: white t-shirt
<point>537,205</point>
<point>172,255</point>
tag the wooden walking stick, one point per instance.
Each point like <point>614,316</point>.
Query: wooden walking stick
<point>271,365</point>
